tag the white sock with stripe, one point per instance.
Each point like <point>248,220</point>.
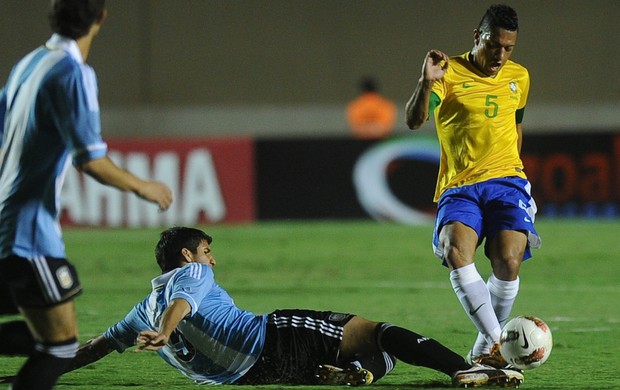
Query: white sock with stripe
<point>476,300</point>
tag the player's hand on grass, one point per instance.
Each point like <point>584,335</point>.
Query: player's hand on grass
<point>435,65</point>
<point>150,341</point>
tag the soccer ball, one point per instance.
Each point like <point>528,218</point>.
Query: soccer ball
<point>525,342</point>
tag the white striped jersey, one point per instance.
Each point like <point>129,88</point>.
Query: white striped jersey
<point>48,112</point>
<point>215,344</point>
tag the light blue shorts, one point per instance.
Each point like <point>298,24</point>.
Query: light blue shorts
<point>489,207</point>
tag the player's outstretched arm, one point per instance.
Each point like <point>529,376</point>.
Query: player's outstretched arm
<point>154,341</point>
<point>106,172</point>
<point>417,107</point>
<point>89,352</point>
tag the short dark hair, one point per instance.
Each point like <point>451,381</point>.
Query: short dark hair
<point>172,241</point>
<point>73,18</point>
<point>499,16</point>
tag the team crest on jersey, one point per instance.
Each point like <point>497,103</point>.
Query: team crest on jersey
<point>337,317</point>
<point>64,277</point>
<point>513,86</point>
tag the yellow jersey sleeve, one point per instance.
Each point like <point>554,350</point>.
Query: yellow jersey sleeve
<point>476,124</point>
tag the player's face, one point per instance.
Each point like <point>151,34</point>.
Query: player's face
<point>203,254</point>
<point>493,49</point>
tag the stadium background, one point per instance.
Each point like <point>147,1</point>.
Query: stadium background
<point>239,105</point>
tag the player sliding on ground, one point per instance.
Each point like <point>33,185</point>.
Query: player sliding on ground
<point>194,325</point>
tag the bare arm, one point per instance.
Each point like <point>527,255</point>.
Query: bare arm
<point>89,352</point>
<point>106,172</point>
<point>154,341</point>
<point>433,69</point>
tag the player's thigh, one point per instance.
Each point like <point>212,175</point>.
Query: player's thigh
<point>52,324</point>
<point>359,336</point>
<point>505,250</point>
<point>458,226</point>
<point>458,243</point>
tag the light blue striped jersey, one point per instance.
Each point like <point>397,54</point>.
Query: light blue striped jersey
<point>48,112</point>
<point>215,344</point>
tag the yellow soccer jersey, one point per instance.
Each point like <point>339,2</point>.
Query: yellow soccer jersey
<point>476,123</point>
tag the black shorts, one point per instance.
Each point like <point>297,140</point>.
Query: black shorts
<point>297,342</point>
<point>38,282</point>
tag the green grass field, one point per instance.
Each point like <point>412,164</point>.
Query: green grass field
<point>380,271</point>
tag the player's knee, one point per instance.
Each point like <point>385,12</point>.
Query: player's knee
<point>456,256</point>
<point>360,326</point>
<point>358,337</point>
<point>506,267</point>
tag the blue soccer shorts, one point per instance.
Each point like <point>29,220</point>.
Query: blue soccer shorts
<point>489,207</point>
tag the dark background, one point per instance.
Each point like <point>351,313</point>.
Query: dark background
<point>312,179</point>
<point>288,52</point>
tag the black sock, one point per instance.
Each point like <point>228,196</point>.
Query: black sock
<point>379,364</point>
<point>45,365</point>
<point>16,338</point>
<point>415,349</point>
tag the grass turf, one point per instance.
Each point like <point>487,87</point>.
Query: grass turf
<point>383,272</point>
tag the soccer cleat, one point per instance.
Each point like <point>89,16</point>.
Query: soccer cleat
<point>350,376</point>
<point>480,375</point>
<point>493,358</point>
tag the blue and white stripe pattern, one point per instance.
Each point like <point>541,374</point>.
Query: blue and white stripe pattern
<point>49,112</point>
<point>192,274</point>
<point>216,343</point>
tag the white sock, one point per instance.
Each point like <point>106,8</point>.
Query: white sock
<point>481,346</point>
<point>476,300</point>
<point>503,295</point>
